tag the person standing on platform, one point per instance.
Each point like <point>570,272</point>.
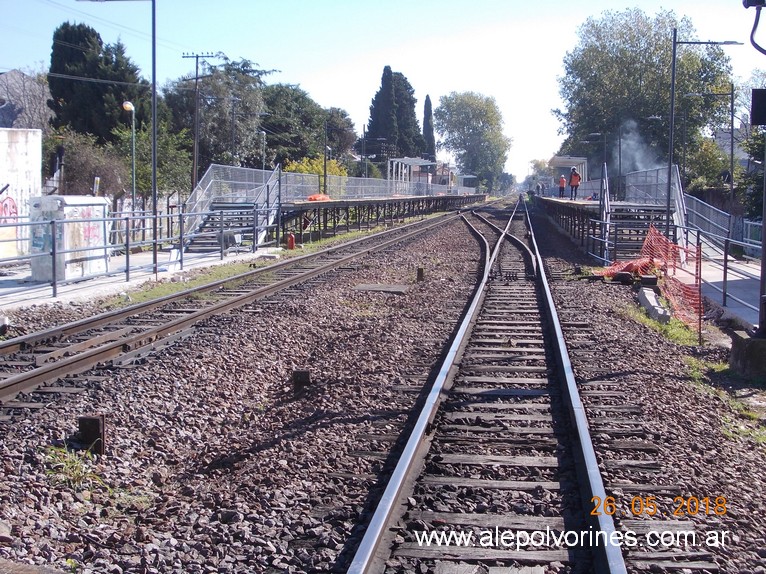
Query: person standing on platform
<point>562,185</point>
<point>574,183</point>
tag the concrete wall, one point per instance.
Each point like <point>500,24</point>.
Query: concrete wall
<point>20,169</point>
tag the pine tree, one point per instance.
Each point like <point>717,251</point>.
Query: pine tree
<point>89,81</point>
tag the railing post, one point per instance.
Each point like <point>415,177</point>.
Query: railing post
<point>181,210</point>
<point>127,250</point>
<point>724,286</point>
<point>223,239</point>
<point>54,270</point>
<point>255,229</point>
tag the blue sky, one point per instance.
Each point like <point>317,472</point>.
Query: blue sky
<point>511,50</point>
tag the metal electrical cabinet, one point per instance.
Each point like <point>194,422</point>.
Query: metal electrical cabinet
<point>81,237</point>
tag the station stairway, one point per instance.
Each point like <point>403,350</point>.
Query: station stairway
<point>629,224</point>
<point>228,222</point>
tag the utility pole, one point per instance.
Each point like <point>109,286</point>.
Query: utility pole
<point>196,113</point>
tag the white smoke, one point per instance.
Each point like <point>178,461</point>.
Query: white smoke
<point>636,154</point>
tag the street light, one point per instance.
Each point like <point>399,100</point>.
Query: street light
<point>263,151</point>
<point>672,113</point>
<point>154,125</point>
<point>129,107</point>
<point>597,135</point>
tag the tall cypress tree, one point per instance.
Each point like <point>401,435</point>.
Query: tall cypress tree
<point>383,122</point>
<point>411,143</point>
<point>428,130</point>
<point>82,68</point>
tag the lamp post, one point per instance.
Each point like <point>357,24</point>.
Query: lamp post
<point>599,134</point>
<point>154,125</point>
<point>129,107</point>
<point>325,157</point>
<point>676,42</point>
<point>263,151</point>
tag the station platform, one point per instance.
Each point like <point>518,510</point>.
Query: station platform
<point>743,287</point>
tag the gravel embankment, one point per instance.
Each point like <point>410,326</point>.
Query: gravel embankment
<point>705,444</point>
<point>214,466</point>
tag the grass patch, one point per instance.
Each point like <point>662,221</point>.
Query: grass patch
<point>674,330</point>
<point>71,468</point>
<point>199,277</point>
<point>713,379</point>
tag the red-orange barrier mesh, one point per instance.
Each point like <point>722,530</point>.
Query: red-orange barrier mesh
<point>680,269</point>
<point>641,266</point>
<point>681,272</point>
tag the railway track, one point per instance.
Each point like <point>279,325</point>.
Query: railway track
<point>497,458</point>
<point>44,364</point>
<point>499,465</point>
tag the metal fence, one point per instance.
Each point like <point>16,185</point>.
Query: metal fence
<point>751,233</point>
<point>707,218</point>
<point>258,189</point>
<point>300,186</point>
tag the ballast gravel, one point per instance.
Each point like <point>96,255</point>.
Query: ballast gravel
<point>214,465</point>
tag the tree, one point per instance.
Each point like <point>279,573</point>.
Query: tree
<point>84,160</point>
<point>383,124</point>
<point>231,107</point>
<point>410,142</point>
<point>428,131</point>
<point>706,164</point>
<point>23,101</point>
<point>472,128</point>
<point>294,123</point>
<point>393,118</point>
<point>620,71</point>
<point>174,161</point>
<point>340,131</point>
<point>753,179</point>
<point>89,81</point>
<point>315,166</point>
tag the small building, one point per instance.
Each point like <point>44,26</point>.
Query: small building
<point>20,180</point>
<point>565,163</point>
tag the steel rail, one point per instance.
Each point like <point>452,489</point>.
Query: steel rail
<point>611,560</point>
<point>373,535</point>
<point>18,343</point>
<point>609,557</point>
<point>518,242</point>
<point>79,363</point>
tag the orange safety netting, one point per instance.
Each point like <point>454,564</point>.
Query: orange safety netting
<point>682,275</point>
<point>641,266</point>
<point>680,269</point>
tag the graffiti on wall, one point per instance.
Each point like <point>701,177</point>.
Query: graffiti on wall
<point>9,214</point>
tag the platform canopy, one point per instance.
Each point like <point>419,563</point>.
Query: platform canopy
<point>566,162</point>
<point>412,161</point>
<point>400,168</point>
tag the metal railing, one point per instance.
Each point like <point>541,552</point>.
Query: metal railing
<point>724,261</point>
<point>60,251</point>
<point>706,218</point>
<point>300,186</point>
<point>232,185</point>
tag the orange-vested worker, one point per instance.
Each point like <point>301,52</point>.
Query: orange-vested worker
<point>562,185</point>
<point>574,183</point>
